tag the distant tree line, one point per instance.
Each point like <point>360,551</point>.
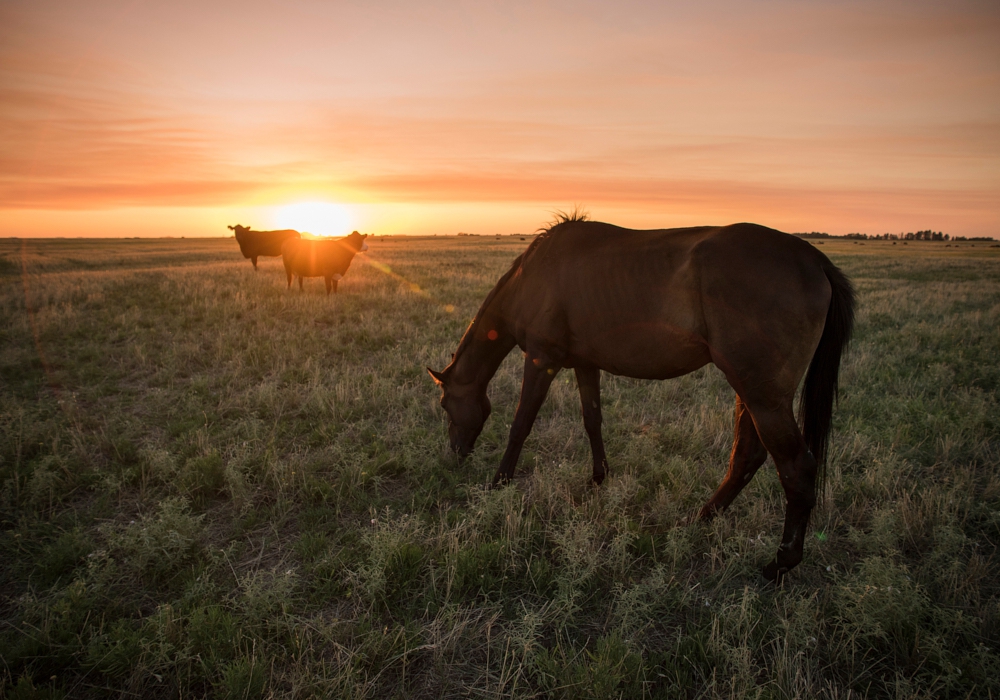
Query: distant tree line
<point>927,235</point>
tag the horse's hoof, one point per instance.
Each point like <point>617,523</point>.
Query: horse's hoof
<point>774,573</point>
<point>500,483</point>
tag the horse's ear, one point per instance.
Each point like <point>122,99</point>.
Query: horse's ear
<point>438,377</point>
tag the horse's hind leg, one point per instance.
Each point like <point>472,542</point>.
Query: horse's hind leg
<point>744,461</point>
<point>589,381</point>
<point>797,472</point>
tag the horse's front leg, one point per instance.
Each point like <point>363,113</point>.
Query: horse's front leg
<point>589,381</point>
<point>538,375</point>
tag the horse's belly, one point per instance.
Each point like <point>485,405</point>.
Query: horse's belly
<point>643,351</point>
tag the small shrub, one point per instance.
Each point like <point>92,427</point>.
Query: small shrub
<point>159,545</point>
<point>243,679</point>
<point>203,476</point>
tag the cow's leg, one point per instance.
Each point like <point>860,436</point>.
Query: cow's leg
<point>747,456</point>
<point>335,285</point>
<point>254,258</point>
<point>797,472</point>
<point>288,274</point>
<point>538,375</point>
<point>301,277</point>
<point>589,381</point>
<point>329,284</point>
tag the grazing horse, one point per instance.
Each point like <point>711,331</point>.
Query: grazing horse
<point>256,243</point>
<point>326,259</point>
<point>764,306</point>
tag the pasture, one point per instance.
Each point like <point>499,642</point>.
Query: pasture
<point>211,486</point>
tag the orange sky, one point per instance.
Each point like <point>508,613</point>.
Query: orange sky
<point>133,118</point>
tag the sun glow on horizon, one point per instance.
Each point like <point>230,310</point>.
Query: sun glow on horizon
<point>317,218</point>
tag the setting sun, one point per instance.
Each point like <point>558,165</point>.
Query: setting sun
<point>317,218</point>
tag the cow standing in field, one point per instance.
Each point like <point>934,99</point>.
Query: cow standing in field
<point>256,243</point>
<point>326,259</point>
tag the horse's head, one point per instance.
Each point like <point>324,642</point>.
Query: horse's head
<point>467,407</point>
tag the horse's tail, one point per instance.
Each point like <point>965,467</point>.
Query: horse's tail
<point>820,388</point>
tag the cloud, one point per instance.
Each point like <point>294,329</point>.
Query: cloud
<point>108,195</point>
<point>719,107</point>
<point>516,187</point>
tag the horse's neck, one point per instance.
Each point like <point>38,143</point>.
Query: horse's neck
<point>480,355</point>
<point>487,341</point>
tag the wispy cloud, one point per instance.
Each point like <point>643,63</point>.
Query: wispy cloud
<point>839,109</point>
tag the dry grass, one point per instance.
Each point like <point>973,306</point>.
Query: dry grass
<point>211,486</point>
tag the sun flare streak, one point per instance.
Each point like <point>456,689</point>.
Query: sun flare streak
<point>412,286</point>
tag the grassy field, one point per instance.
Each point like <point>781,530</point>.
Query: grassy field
<point>214,487</point>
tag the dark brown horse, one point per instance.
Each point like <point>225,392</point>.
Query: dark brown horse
<point>764,306</point>
<point>327,259</point>
<point>254,244</point>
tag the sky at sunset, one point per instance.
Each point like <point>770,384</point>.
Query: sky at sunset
<point>129,118</point>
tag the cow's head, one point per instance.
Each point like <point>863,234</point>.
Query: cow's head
<point>356,241</point>
<point>238,230</point>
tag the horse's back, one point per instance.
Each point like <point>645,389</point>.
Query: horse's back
<point>635,268</point>
<point>612,297</point>
<point>660,303</point>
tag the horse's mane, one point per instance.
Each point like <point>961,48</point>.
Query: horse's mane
<point>467,336</point>
<point>560,217</point>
